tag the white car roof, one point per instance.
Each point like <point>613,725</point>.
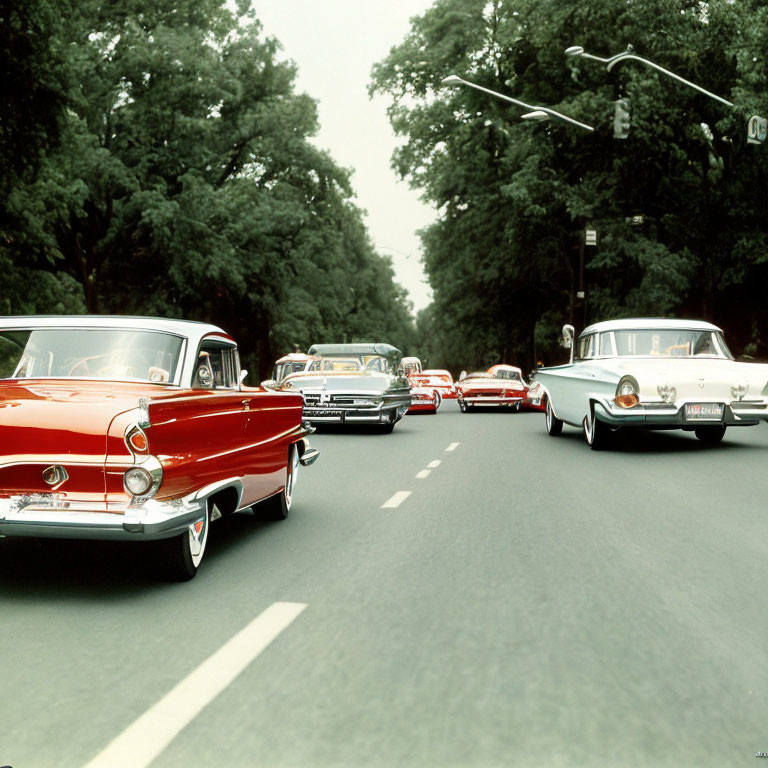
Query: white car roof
<point>650,324</point>
<point>189,329</point>
<point>505,367</point>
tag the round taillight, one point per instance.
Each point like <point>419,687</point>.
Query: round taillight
<point>627,401</point>
<point>137,481</point>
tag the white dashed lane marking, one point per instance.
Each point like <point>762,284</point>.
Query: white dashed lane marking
<point>139,744</point>
<point>452,446</point>
<point>434,464</point>
<point>424,473</point>
<point>396,500</point>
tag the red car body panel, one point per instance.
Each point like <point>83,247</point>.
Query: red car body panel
<point>199,438</point>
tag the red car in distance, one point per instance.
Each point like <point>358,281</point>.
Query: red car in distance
<point>424,398</point>
<point>500,387</point>
<point>440,380</point>
<point>530,402</point>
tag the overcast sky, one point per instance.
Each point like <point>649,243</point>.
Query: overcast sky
<point>334,44</point>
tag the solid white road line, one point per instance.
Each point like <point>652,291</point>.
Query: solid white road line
<point>139,744</point>
<point>434,464</point>
<point>396,500</point>
<point>452,447</point>
<point>424,473</point>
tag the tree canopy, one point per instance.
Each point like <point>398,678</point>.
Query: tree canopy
<point>170,171</point>
<point>681,224</point>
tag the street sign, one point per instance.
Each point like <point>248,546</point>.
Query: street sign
<point>757,128</point>
<point>590,237</point>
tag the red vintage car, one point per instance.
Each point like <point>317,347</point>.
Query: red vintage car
<point>424,398</point>
<point>138,429</point>
<point>531,401</point>
<point>499,389</point>
<point>440,380</point>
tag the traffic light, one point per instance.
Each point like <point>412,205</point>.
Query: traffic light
<point>621,117</point>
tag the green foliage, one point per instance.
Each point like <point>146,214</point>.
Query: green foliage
<point>680,222</point>
<point>184,185</point>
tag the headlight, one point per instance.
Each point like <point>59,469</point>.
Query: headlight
<point>667,393</point>
<point>627,393</point>
<point>137,481</point>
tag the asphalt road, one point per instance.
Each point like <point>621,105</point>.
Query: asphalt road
<point>530,603</point>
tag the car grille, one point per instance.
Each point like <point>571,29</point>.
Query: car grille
<point>348,401</point>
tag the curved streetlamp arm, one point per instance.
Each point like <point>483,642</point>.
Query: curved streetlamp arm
<point>456,80</point>
<point>619,57</point>
<point>624,56</point>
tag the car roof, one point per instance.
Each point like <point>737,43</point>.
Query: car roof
<point>436,372</point>
<point>190,329</point>
<point>649,324</point>
<point>505,367</point>
<point>353,349</point>
<point>295,357</point>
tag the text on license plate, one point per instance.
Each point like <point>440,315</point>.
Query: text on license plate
<point>704,411</point>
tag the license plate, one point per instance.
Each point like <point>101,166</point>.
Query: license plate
<point>704,411</point>
<point>321,411</point>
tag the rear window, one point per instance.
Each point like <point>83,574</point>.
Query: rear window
<point>89,353</point>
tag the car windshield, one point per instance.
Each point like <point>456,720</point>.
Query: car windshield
<point>479,375</point>
<point>357,363</point>
<point>512,375</point>
<point>336,364</point>
<point>671,342</point>
<point>89,353</point>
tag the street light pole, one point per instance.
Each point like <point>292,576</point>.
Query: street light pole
<point>536,113</point>
<point>611,61</point>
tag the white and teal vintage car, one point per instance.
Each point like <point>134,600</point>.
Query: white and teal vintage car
<point>652,373</point>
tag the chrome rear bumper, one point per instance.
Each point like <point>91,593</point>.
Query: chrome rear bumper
<point>44,516</point>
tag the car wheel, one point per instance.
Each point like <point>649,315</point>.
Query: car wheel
<point>438,400</point>
<point>596,432</point>
<point>711,435</point>
<point>554,425</point>
<point>181,555</point>
<point>462,406</point>
<point>278,506</point>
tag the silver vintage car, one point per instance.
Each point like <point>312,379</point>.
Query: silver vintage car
<point>352,384</point>
<point>653,373</point>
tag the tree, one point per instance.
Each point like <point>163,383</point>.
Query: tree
<point>184,183</point>
<point>676,235</point>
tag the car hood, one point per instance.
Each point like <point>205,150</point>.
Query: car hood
<point>343,382</point>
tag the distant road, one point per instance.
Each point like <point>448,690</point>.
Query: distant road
<point>466,591</point>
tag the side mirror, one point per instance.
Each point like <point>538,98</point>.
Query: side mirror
<point>462,376</point>
<point>567,338</point>
<point>243,374</point>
